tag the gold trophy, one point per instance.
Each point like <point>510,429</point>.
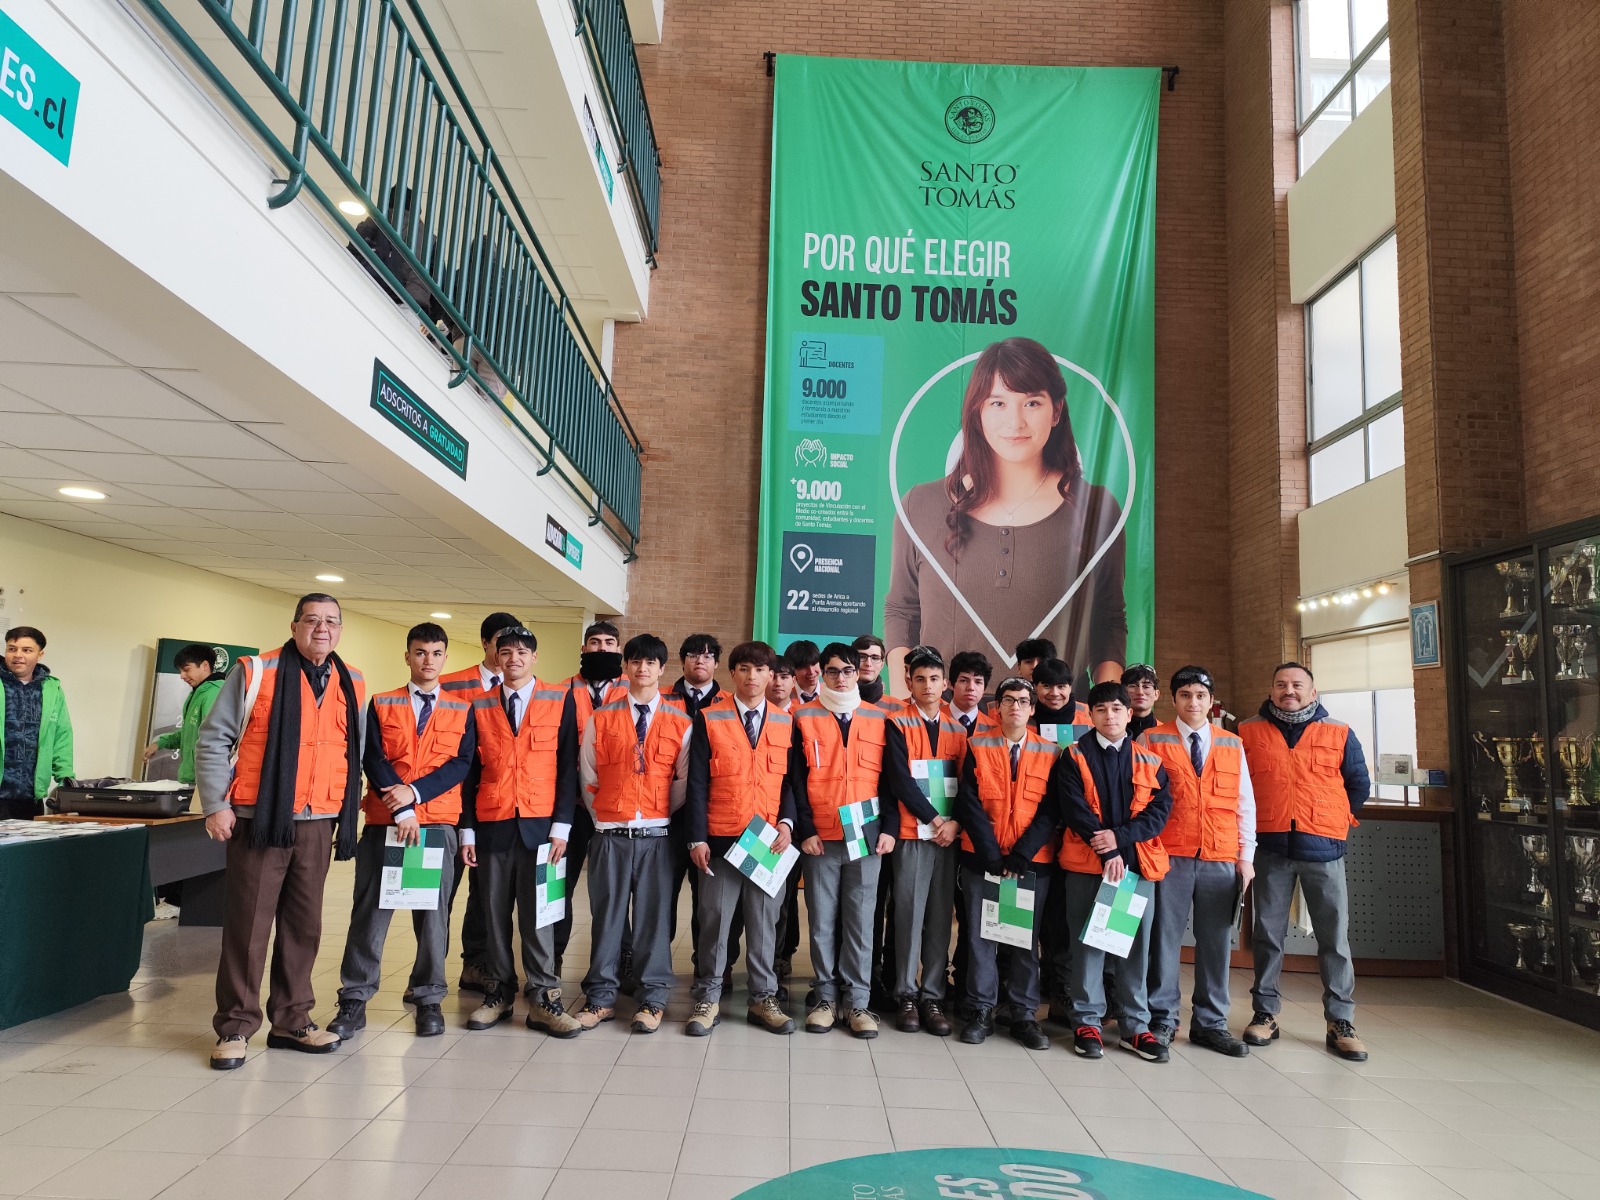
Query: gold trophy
<point>1562,571</point>
<point>1585,591</point>
<point>1536,849</point>
<point>1508,752</point>
<point>1511,675</point>
<point>1526,644</point>
<point>1518,576</point>
<point>1576,753</point>
<point>1521,932</point>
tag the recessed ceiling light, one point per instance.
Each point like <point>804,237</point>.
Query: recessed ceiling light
<point>81,493</point>
<point>440,616</point>
<point>330,578</point>
<point>352,208</point>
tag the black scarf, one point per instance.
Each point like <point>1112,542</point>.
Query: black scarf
<point>280,761</point>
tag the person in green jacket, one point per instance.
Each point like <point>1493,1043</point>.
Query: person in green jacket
<point>35,731</point>
<point>195,667</point>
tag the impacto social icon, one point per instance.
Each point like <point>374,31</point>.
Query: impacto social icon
<point>810,453</point>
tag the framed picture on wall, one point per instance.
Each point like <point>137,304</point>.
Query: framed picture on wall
<point>1425,634</point>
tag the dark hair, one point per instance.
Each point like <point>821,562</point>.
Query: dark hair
<point>1051,672</point>
<point>869,639</point>
<point>1035,648</point>
<point>697,643</point>
<point>1024,366</point>
<point>782,666</point>
<point>191,655</point>
<point>971,662</point>
<point>427,633</point>
<point>1015,683</point>
<point>1140,673</point>
<point>516,635</point>
<point>315,598</point>
<point>802,654</point>
<point>1187,676</point>
<point>28,631</point>
<point>919,657</point>
<point>645,646</point>
<point>757,654</point>
<point>839,650</point>
<point>605,627</point>
<point>1105,693</point>
<point>494,623</point>
<point>1295,666</point>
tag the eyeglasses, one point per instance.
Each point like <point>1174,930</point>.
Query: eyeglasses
<point>701,654</point>
<point>871,656</point>
<point>319,622</point>
<point>1015,701</point>
<point>838,672</point>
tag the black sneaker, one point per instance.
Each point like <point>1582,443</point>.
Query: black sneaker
<point>1146,1047</point>
<point>1163,1034</point>
<point>1219,1040</point>
<point>430,1020</point>
<point>1086,1042</point>
<point>979,1027</point>
<point>350,1020</point>
<point>1030,1035</point>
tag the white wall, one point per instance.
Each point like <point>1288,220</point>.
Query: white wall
<point>1355,536</point>
<point>1344,203</point>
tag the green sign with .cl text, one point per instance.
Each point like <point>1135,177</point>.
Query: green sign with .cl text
<point>419,422</point>
<point>37,94</point>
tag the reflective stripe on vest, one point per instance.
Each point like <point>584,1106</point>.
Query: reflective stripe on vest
<point>413,757</point>
<point>1011,804</point>
<point>519,773</point>
<point>745,780</point>
<point>952,750</point>
<point>1299,790</point>
<point>583,699</point>
<point>622,792</point>
<point>1205,808</point>
<point>838,774</point>
<point>1076,854</point>
<point>465,686</point>
<point>324,732</point>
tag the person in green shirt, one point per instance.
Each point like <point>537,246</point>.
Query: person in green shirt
<point>35,730</point>
<point>194,663</point>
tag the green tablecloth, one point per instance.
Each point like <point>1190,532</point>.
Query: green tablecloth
<point>72,916</point>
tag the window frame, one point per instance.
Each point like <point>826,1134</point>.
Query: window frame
<point>1358,60</point>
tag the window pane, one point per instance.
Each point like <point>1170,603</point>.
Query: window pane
<point>1324,49</point>
<point>1373,76</point>
<point>1380,321</point>
<point>1336,356</point>
<point>1371,15</point>
<point>1396,732</point>
<point>1355,710</point>
<point>1338,468</point>
<point>1386,443</point>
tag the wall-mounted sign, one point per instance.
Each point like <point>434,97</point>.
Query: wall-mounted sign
<point>37,94</point>
<point>591,133</point>
<point>419,422</point>
<point>562,542</point>
<point>1425,634</point>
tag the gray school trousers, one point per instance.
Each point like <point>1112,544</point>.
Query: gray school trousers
<point>1209,890</point>
<point>840,898</point>
<point>1328,902</point>
<point>369,925</point>
<point>924,901</point>
<point>624,869</point>
<point>722,893</point>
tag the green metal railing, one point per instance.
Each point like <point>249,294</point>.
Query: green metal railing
<point>603,25</point>
<point>363,92</point>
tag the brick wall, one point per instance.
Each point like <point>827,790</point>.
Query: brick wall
<point>692,373</point>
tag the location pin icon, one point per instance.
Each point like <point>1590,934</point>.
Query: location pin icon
<point>800,555</point>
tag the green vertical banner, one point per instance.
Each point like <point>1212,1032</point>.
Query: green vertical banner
<point>959,408</point>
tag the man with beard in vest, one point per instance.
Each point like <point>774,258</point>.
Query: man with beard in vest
<point>293,717</point>
<point>1210,840</point>
<point>420,745</point>
<point>1311,781</point>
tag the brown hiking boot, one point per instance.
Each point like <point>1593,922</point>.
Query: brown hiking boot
<point>862,1023</point>
<point>1342,1040</point>
<point>227,1054</point>
<point>705,1017</point>
<point>820,1017</point>
<point>766,1012</point>
<point>496,1007</point>
<point>308,1040</point>
<point>589,1015</point>
<point>1262,1030</point>
<point>545,1012</point>
<point>647,1018</point>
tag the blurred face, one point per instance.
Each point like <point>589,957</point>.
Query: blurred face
<point>604,643</point>
<point>840,674</point>
<point>22,655</point>
<point>966,693</point>
<point>1144,694</point>
<point>316,632</point>
<point>780,688</point>
<point>1015,709</point>
<point>698,668</point>
<point>927,688</point>
<point>1293,690</point>
<point>1025,667</point>
<point>1054,695</point>
<point>1193,702</point>
<point>644,675</point>
<point>1017,426</point>
<point>805,678</point>
<point>871,663</point>
<point>750,682</point>
<point>515,662</point>
<point>194,674</point>
<point>1111,719</point>
<point>426,660</point>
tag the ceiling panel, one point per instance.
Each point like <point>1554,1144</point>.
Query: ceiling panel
<point>207,392</point>
<point>11,402</point>
<point>125,468</point>
<point>110,335</point>
<point>99,391</point>
<point>25,336</point>
<point>208,499</point>
<point>51,431</point>
<point>318,503</point>
<point>291,443</point>
<point>282,475</point>
<point>207,439</point>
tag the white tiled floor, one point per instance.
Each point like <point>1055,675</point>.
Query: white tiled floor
<point>1465,1096</point>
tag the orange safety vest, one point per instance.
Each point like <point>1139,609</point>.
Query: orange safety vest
<point>622,792</point>
<point>583,698</point>
<point>324,732</point>
<point>1011,804</point>
<point>746,780</point>
<point>952,749</point>
<point>463,685</point>
<point>1075,852</point>
<point>413,757</point>
<point>519,771</point>
<point>838,773</point>
<point>1299,790</point>
<point>1205,808</point>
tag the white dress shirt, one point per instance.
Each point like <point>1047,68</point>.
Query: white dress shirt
<point>589,775</point>
<point>1247,793</point>
<point>488,678</point>
<point>416,699</point>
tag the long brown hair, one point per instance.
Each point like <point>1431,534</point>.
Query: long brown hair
<point>1026,367</point>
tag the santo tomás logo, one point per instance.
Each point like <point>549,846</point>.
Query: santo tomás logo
<point>969,119</point>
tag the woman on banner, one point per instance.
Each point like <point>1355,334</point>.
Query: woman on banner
<point>1013,526</point>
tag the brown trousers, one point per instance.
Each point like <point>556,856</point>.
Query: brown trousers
<point>282,885</point>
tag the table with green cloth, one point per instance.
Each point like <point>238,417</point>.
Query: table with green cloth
<point>72,917</point>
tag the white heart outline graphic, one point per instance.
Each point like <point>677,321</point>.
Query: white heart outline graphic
<point>928,557</point>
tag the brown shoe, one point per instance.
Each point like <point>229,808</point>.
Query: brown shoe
<point>907,1019</point>
<point>647,1018</point>
<point>766,1012</point>
<point>496,1007</point>
<point>473,978</point>
<point>933,1019</point>
<point>309,1040</point>
<point>820,1017</point>
<point>1262,1030</point>
<point>545,1012</point>
<point>227,1054</point>
<point>707,1015</point>
<point>862,1024</point>
<point>1342,1040</point>
<point>589,1016</point>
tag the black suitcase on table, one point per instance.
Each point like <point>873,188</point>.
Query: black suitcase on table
<point>113,801</point>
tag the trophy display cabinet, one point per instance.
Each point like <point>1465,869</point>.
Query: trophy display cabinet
<point>1525,700</point>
